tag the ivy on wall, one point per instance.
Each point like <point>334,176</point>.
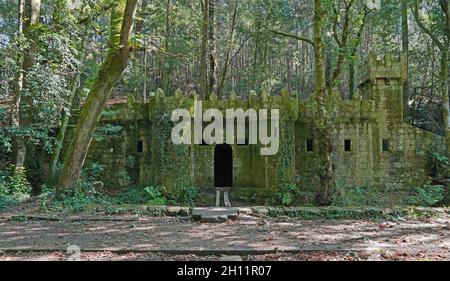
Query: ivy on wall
<point>288,190</point>
<point>173,165</point>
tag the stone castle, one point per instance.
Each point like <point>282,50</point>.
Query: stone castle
<point>372,144</point>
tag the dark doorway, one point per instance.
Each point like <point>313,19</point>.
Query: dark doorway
<point>223,166</point>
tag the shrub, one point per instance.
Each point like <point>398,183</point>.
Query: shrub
<point>6,201</point>
<point>427,195</point>
<point>14,186</point>
<point>361,196</point>
<point>134,195</point>
<point>288,194</point>
<point>189,195</point>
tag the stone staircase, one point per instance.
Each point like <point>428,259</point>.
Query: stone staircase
<point>215,214</point>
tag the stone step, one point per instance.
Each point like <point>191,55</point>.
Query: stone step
<point>215,214</point>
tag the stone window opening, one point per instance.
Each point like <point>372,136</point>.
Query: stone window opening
<point>385,145</point>
<point>309,145</point>
<point>347,145</point>
<point>140,146</point>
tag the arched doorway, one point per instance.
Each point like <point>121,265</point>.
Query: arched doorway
<point>223,165</point>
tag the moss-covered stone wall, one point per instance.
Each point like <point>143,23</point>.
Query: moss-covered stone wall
<point>372,144</point>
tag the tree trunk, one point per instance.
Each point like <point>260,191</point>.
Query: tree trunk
<point>322,124</point>
<point>405,50</point>
<point>445,99</point>
<point>60,137</point>
<point>114,65</point>
<point>28,16</point>
<point>203,73</point>
<point>212,45</point>
<point>445,5</point>
<point>228,55</point>
<point>351,79</point>
<point>165,64</point>
<point>444,49</point>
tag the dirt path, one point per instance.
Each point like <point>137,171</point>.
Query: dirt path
<point>422,239</point>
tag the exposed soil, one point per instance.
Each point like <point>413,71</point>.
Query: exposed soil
<point>174,238</point>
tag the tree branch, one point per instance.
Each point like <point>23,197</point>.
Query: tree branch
<point>290,35</point>
<point>425,29</point>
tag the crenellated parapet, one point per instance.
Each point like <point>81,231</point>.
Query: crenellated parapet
<point>379,93</point>
<point>286,102</point>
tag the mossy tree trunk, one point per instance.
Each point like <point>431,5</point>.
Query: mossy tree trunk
<point>115,63</point>
<point>203,73</point>
<point>212,45</point>
<point>323,111</point>
<point>405,51</point>
<point>65,118</point>
<point>28,17</point>
<point>323,93</point>
<point>166,59</point>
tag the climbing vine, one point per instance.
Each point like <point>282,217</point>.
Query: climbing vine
<point>173,167</point>
<point>288,190</point>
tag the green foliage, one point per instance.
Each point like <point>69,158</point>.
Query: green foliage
<point>134,195</point>
<point>14,183</point>
<point>131,162</point>
<point>106,132</point>
<point>123,178</point>
<point>6,201</point>
<point>438,161</point>
<point>155,196</point>
<point>288,192</point>
<point>72,200</point>
<point>76,199</point>
<point>152,191</point>
<point>427,195</point>
<point>358,196</point>
<point>187,195</point>
<point>92,172</point>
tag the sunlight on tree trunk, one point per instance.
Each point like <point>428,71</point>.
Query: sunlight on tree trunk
<point>114,65</point>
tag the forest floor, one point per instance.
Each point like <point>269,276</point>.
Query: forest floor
<point>131,237</point>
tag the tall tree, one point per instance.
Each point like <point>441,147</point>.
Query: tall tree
<point>28,17</point>
<point>443,45</point>
<point>323,91</point>
<point>203,73</point>
<point>115,63</point>
<point>61,22</point>
<point>323,108</point>
<point>405,51</point>
<point>165,65</point>
<point>228,57</point>
<point>212,45</point>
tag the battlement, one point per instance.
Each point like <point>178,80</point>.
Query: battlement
<point>385,67</point>
<point>380,71</point>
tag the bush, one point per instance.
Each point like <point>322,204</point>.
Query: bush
<point>427,195</point>
<point>14,185</point>
<point>288,194</point>
<point>189,194</point>
<point>76,199</point>
<point>72,200</point>
<point>134,195</point>
<point>358,196</point>
<point>6,201</point>
<point>155,195</point>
